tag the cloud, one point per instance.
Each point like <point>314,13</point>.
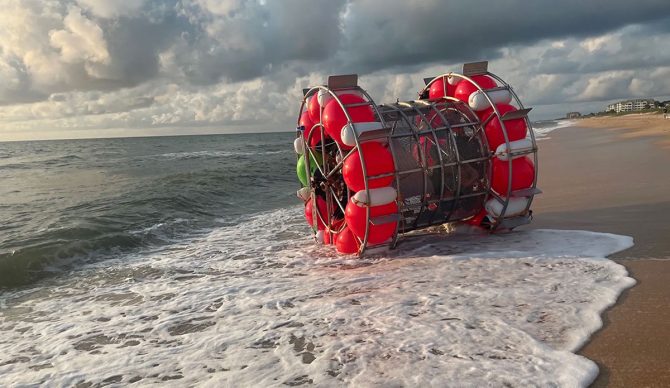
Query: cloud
<point>420,31</point>
<point>241,64</point>
<point>81,41</point>
<point>56,46</point>
<point>240,40</point>
<point>111,9</point>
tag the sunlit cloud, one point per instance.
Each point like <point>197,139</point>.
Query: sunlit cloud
<point>240,65</point>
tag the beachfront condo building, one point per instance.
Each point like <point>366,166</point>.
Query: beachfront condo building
<point>631,105</point>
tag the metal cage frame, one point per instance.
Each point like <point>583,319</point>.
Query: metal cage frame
<point>387,131</point>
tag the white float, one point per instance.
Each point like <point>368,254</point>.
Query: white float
<point>478,102</point>
<point>515,207</point>
<point>380,196</point>
<point>453,79</point>
<point>299,146</point>
<point>304,193</point>
<point>522,146</point>
<point>349,131</point>
<point>324,97</point>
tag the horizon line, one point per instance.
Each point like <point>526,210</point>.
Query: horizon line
<point>142,136</point>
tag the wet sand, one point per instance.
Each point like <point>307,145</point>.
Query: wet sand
<point>618,181</point>
<point>638,125</point>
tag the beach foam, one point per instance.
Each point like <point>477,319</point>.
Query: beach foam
<point>543,128</point>
<point>258,304</point>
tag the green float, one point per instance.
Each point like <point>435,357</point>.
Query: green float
<point>300,167</point>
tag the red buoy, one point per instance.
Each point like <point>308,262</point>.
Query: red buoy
<point>516,128</point>
<point>326,237</point>
<point>437,89</point>
<point>523,174</point>
<point>314,109</point>
<point>465,87</point>
<point>309,212</point>
<point>307,122</point>
<point>356,221</point>
<point>334,117</point>
<point>477,219</point>
<point>346,242</point>
<point>378,160</point>
<point>335,226</point>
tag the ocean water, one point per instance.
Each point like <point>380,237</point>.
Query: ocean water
<point>186,261</point>
<point>89,200</point>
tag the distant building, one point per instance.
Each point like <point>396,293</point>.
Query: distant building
<point>573,115</point>
<point>631,105</point>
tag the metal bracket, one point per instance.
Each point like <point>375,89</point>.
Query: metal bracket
<point>342,81</point>
<point>497,88</point>
<point>475,68</point>
<point>380,133</point>
<point>517,114</point>
<point>526,192</point>
<point>387,219</point>
<point>513,222</point>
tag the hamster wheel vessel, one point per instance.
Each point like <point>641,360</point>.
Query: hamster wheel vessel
<point>464,151</point>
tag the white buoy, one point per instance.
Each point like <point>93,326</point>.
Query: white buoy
<point>299,146</point>
<point>380,196</point>
<point>304,194</point>
<point>324,97</point>
<point>516,206</point>
<point>477,100</point>
<point>349,131</point>
<point>523,145</point>
<point>453,79</point>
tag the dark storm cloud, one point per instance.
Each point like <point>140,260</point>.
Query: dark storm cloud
<point>252,39</point>
<point>379,35</point>
<point>303,29</point>
<point>134,44</point>
<point>637,46</point>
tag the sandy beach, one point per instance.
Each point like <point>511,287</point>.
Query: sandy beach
<point>612,175</point>
<point>636,125</point>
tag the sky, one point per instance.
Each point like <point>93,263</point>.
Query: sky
<point>105,68</point>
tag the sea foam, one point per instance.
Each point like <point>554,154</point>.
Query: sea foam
<point>259,304</point>
<point>543,128</point>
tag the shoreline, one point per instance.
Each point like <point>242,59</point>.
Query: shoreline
<point>610,175</point>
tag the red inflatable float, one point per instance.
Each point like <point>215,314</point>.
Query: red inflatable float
<point>437,89</point>
<point>312,134</point>
<point>516,128</point>
<point>310,216</point>
<point>523,174</point>
<point>314,109</point>
<point>465,88</point>
<point>378,161</point>
<point>334,117</point>
<point>346,242</point>
<point>355,216</point>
